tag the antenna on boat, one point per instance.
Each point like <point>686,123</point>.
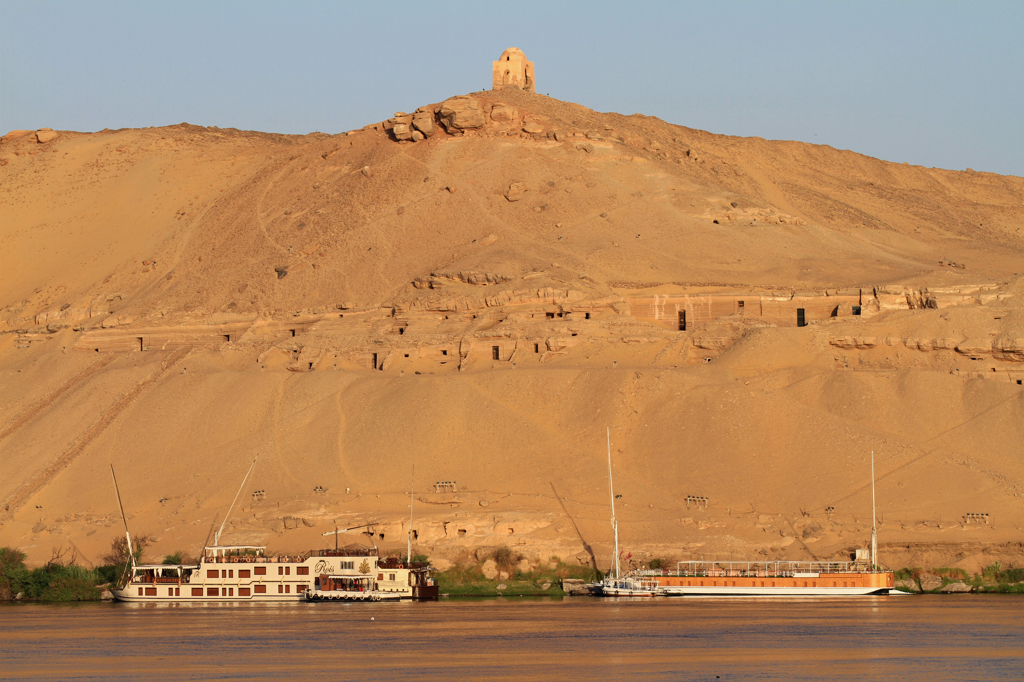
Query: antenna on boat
<point>128,537</point>
<point>611,491</point>
<point>216,536</point>
<point>408,556</point>
<point>874,531</point>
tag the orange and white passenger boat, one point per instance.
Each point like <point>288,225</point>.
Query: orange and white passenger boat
<point>773,578</point>
<point>862,576</point>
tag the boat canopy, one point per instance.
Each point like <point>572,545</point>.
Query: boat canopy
<point>228,550</point>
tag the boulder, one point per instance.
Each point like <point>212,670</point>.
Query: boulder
<point>45,135</point>
<point>106,595</point>
<point>533,128</point>
<point>574,587</point>
<point>402,131</point>
<point>956,587</point>
<point>585,147</point>
<point>502,113</point>
<point>906,586</point>
<point>490,569</point>
<point>515,191</point>
<point>930,582</point>
<point>462,113</point>
<point>417,136</point>
<point>424,122</point>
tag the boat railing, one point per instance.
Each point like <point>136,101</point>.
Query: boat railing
<point>256,559</point>
<point>760,569</point>
<point>362,552</point>
<point>393,563</point>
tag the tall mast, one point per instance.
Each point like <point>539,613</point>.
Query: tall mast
<point>611,491</point>
<point>874,531</point>
<point>216,537</point>
<point>124,520</point>
<point>408,555</point>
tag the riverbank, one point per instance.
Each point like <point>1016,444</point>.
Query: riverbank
<point>500,573</point>
<point>992,579</point>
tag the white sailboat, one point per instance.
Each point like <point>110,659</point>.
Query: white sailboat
<point>617,585</point>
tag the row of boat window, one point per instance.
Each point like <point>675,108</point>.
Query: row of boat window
<point>257,570</point>
<point>221,591</point>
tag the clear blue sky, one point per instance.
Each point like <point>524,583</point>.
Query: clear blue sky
<point>930,83</point>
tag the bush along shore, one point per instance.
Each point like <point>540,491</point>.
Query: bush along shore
<point>61,579</point>
<point>991,579</point>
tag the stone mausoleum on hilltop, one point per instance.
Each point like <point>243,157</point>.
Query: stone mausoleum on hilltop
<point>513,71</point>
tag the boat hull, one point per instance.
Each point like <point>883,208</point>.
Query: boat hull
<point>623,592</point>
<point>767,584</point>
<point>348,595</point>
<point>125,596</point>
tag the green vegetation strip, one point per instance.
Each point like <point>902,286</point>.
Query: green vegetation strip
<point>56,581</point>
<point>992,579</point>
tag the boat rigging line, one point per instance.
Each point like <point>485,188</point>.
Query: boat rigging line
<point>124,520</point>
<point>611,490</point>
<point>216,536</point>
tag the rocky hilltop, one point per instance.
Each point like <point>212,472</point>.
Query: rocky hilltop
<point>479,288</point>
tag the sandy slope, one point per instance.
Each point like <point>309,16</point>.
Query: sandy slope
<point>178,236</point>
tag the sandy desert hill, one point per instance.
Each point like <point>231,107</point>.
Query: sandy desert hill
<point>479,289</point>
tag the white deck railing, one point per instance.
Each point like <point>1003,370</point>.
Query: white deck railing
<point>758,569</point>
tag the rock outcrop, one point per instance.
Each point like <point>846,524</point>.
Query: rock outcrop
<point>462,113</point>
<point>930,582</point>
<point>957,587</point>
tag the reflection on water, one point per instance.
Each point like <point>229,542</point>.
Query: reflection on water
<point>963,637</point>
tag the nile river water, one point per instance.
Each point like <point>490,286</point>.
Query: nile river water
<point>961,637</point>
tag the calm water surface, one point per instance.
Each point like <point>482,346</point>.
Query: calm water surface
<point>962,637</point>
